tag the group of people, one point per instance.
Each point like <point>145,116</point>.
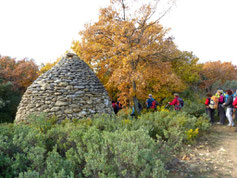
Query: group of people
<point>151,104</point>
<point>177,102</point>
<point>225,103</point>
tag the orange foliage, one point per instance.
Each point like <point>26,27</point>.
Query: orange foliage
<point>217,71</point>
<point>129,52</point>
<point>21,73</point>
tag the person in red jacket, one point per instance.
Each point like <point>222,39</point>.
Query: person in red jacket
<point>209,110</point>
<point>115,107</point>
<point>175,102</point>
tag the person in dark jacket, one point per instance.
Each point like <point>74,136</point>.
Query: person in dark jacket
<point>209,110</point>
<point>229,105</point>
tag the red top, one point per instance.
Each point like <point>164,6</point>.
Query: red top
<point>114,105</point>
<point>235,103</point>
<point>207,102</point>
<point>175,101</point>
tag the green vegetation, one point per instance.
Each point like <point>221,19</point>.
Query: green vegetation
<point>102,146</point>
<point>9,100</point>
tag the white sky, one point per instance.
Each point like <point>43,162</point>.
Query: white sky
<point>44,29</point>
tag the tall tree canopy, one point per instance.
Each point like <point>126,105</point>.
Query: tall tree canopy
<point>130,51</point>
<point>15,77</point>
<point>20,73</point>
<point>187,67</point>
<point>217,71</point>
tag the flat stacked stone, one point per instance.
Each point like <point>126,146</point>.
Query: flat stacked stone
<point>69,90</point>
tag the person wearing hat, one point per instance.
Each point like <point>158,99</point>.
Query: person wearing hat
<point>175,102</point>
<point>149,101</point>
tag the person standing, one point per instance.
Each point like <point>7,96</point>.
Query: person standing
<point>229,105</point>
<point>115,107</point>
<point>221,110</point>
<point>149,101</point>
<point>175,102</point>
<point>209,108</point>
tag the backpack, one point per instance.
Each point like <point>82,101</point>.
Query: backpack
<point>149,102</point>
<point>211,103</point>
<point>214,102</point>
<point>181,102</point>
<point>154,104</point>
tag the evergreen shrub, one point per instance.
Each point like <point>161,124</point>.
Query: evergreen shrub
<point>102,146</point>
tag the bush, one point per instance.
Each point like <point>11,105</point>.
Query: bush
<point>194,107</point>
<point>102,146</point>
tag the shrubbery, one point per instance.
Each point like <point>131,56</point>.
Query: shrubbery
<point>9,100</point>
<point>103,146</point>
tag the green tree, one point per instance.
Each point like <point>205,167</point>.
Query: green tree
<point>9,100</point>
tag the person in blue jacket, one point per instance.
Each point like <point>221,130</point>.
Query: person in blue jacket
<point>149,101</point>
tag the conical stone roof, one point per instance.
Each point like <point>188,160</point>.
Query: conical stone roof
<point>69,90</point>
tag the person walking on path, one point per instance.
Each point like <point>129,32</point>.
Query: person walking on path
<point>209,109</point>
<point>221,110</point>
<point>175,102</point>
<point>229,105</point>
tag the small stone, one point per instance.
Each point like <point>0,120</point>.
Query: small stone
<point>55,109</point>
<point>82,114</point>
<point>76,110</point>
<point>57,93</point>
<point>74,106</point>
<point>63,84</point>
<point>60,103</point>
<point>89,102</point>
<point>70,54</point>
<point>68,111</point>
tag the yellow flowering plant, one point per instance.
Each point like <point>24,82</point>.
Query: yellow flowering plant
<point>191,134</point>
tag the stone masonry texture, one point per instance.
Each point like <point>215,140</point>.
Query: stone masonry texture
<point>69,90</point>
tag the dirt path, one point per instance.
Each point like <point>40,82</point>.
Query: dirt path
<point>213,156</point>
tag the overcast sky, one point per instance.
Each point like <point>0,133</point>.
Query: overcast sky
<point>44,29</point>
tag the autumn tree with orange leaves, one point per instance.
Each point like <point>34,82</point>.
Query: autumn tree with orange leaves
<point>130,51</point>
<point>15,77</point>
<point>20,73</point>
<point>217,71</point>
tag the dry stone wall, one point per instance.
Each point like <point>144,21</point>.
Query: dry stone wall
<point>69,90</point>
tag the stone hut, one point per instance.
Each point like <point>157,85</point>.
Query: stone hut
<point>69,90</point>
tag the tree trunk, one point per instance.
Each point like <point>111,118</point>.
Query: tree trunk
<point>135,101</point>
